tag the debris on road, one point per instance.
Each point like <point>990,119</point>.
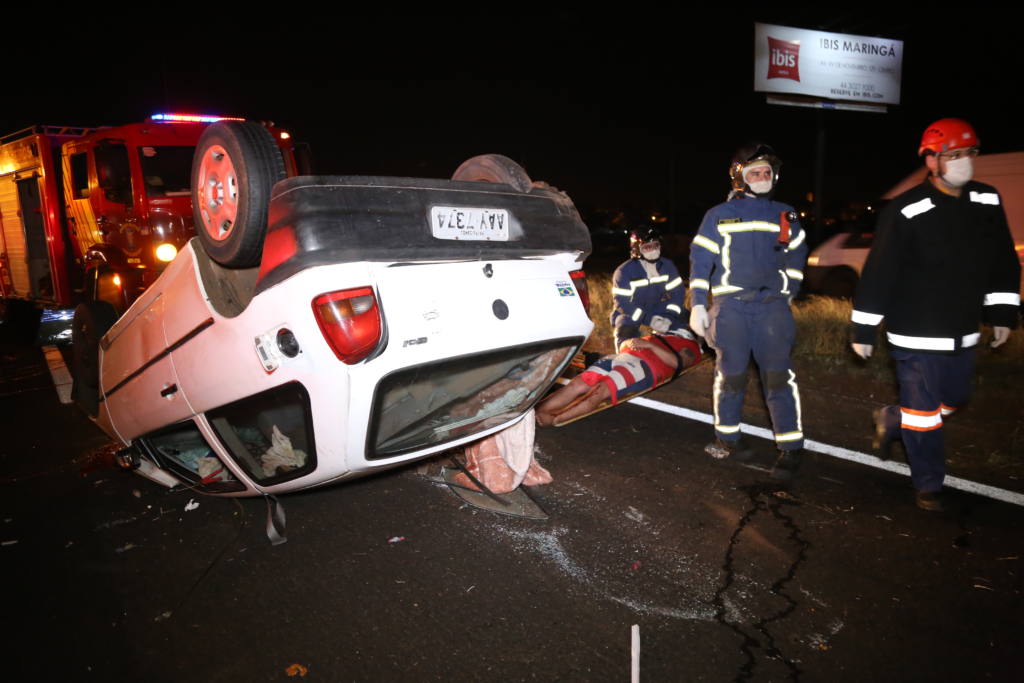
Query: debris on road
<point>635,514</point>
<point>296,670</point>
<point>191,505</point>
<point>396,539</point>
<point>9,542</point>
<point>125,547</point>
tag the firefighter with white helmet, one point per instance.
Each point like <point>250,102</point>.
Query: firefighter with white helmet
<point>942,261</point>
<point>647,289</point>
<point>749,255</point>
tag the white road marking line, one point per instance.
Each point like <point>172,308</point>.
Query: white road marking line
<point>842,453</point>
<point>59,373</point>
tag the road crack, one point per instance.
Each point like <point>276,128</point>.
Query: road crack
<point>763,500</point>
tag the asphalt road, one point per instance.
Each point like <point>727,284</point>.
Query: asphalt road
<point>729,577</point>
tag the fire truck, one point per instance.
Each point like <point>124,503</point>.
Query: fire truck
<point>95,214</point>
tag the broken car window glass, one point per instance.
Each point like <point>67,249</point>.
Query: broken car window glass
<point>269,435</point>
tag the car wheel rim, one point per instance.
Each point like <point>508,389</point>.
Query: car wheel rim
<point>218,193</point>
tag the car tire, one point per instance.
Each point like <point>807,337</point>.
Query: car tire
<point>494,168</point>
<point>233,171</point>
<point>92,320</point>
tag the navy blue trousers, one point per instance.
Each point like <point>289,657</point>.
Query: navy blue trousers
<point>765,329</point>
<point>932,387</point>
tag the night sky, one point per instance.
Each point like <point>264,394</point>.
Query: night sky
<point>630,111</point>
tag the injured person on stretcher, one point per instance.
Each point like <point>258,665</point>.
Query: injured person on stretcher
<point>642,364</point>
<point>504,460</point>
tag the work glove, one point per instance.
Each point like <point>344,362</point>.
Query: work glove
<point>863,350</point>
<point>699,320</point>
<point>1000,335</point>
<point>660,324</point>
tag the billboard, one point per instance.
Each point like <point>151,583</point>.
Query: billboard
<point>833,66</point>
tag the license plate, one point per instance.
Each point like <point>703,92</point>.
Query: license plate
<point>467,223</point>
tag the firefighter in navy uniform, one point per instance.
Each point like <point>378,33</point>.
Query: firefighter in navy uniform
<point>943,258</point>
<point>749,254</point>
<point>647,290</point>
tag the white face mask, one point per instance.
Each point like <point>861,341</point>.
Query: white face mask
<point>650,254</point>
<point>959,171</point>
<point>761,187</point>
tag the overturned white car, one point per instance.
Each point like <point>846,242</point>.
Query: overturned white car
<point>333,326</point>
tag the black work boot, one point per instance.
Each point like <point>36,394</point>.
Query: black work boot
<point>787,464</point>
<point>734,450</point>
<point>888,425</point>
<point>930,501</point>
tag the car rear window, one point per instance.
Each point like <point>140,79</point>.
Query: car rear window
<point>431,404</point>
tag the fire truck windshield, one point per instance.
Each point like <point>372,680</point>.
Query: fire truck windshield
<point>167,170</point>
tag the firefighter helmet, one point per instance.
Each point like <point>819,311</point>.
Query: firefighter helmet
<point>640,236</point>
<point>945,135</point>
<point>748,154</point>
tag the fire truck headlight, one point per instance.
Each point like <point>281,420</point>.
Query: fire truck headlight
<point>166,252</point>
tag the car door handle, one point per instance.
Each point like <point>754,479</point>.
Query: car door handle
<point>168,391</point>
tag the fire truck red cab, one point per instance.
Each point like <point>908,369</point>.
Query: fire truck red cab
<point>96,214</point>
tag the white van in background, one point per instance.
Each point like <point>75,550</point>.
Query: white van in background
<point>834,267</point>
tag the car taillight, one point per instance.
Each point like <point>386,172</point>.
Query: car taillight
<point>579,278</point>
<point>349,321</point>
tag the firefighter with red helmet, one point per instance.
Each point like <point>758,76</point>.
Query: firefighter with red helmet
<point>749,254</point>
<point>942,261</point>
<point>647,289</point>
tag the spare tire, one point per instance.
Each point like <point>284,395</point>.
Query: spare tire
<point>92,320</point>
<point>494,168</point>
<point>234,168</point>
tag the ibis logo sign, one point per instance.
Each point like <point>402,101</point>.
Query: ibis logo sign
<point>784,59</point>
<point>827,67</point>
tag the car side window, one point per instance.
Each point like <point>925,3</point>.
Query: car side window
<point>182,449</point>
<point>270,434</point>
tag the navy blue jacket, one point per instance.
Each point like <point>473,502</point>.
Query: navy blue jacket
<point>737,251</point>
<point>639,298</point>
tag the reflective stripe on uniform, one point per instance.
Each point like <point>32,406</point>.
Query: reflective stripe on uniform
<point>795,274</point>
<point>789,436</point>
<point>924,343</point>
<point>797,242</point>
<point>971,339</point>
<point>657,279</point>
<point>727,429</point>
<point>862,318</point>
<point>699,283</point>
<point>674,308</point>
<point>997,298</point>
<point>637,314</point>
<point>917,208</point>
<point>920,420</point>
<point>622,292</point>
<point>672,285</point>
<point>748,226</point>
<point>636,284</point>
<point>946,410</point>
<point>796,400</point>
<point>985,198</point>
<point>702,241</point>
<point>785,283</point>
<point>725,289</point>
